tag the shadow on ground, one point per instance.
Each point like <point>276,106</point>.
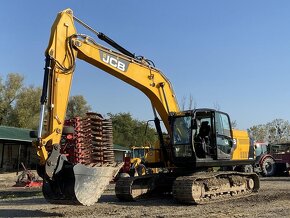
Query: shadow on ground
<point>26,213</point>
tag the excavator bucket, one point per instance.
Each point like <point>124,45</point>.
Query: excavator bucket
<point>78,184</point>
<point>84,162</point>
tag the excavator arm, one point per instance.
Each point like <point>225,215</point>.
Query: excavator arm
<point>65,46</point>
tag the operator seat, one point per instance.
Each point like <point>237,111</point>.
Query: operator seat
<point>203,140</point>
<point>204,130</point>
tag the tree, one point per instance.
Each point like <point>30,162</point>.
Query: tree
<point>19,105</point>
<point>9,91</point>
<point>130,132</point>
<point>25,113</point>
<point>234,124</point>
<point>259,132</point>
<point>191,103</point>
<point>276,131</point>
<point>77,106</point>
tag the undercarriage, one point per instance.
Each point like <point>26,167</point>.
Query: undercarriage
<point>197,188</point>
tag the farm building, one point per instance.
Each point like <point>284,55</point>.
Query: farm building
<point>16,147</point>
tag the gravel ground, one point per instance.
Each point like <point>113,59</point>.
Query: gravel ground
<point>273,200</point>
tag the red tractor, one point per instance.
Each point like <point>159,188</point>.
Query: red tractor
<point>272,159</point>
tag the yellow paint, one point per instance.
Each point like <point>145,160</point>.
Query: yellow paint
<point>242,141</point>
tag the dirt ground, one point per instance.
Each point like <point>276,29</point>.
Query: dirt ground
<point>273,200</point>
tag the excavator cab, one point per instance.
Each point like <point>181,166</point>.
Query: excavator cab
<point>201,137</point>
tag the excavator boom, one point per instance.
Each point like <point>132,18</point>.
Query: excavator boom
<point>65,46</point>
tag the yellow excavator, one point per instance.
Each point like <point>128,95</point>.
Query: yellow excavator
<point>199,139</point>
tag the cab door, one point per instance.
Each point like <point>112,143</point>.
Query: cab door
<point>224,139</point>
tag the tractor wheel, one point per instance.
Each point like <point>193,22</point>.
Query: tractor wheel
<point>268,167</point>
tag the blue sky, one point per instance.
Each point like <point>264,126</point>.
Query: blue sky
<point>234,54</point>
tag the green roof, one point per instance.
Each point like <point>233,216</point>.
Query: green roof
<point>120,148</point>
<point>18,134</point>
<point>15,134</point>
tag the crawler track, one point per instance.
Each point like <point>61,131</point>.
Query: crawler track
<point>198,188</point>
<point>131,188</point>
<point>205,187</point>
<point>134,188</point>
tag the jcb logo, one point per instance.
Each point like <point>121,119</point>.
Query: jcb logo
<point>118,63</point>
